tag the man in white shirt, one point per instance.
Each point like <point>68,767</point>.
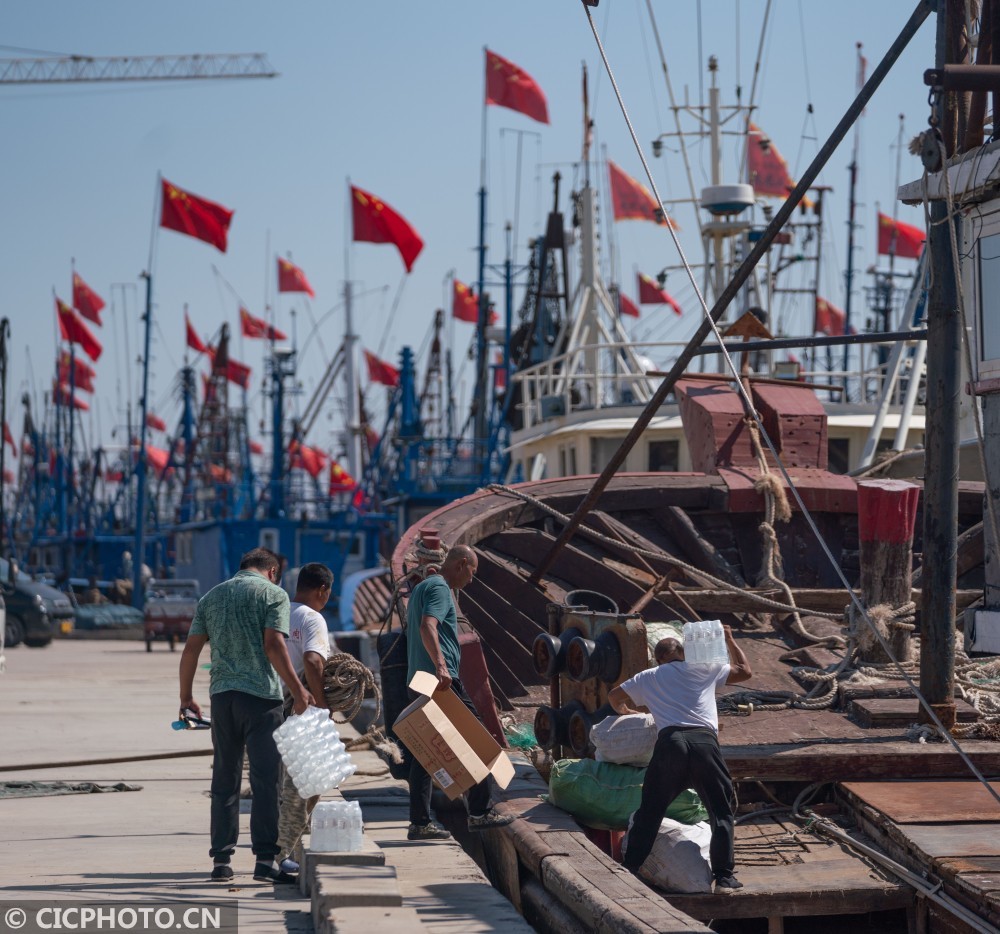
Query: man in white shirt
<point>308,635</point>
<point>308,648</point>
<point>681,698</point>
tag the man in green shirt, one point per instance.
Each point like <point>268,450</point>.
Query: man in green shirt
<point>432,645</point>
<point>245,620</point>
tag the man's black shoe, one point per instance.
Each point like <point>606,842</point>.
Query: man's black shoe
<point>265,872</point>
<point>728,881</point>
<point>222,872</point>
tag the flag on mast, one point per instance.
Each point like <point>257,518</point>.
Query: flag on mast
<point>376,222</point>
<point>197,217</point>
<point>258,327</point>
<point>650,293</point>
<point>86,300</point>
<point>631,200</point>
<point>381,372</point>
<point>830,320</point>
<point>72,329</point>
<point>292,279</point>
<point>512,87</point>
<point>83,372</point>
<point>193,340</point>
<point>898,239</point>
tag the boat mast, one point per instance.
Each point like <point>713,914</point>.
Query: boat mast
<point>852,205</point>
<point>350,378</point>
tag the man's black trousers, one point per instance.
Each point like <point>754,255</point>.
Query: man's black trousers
<point>241,721</point>
<point>685,757</point>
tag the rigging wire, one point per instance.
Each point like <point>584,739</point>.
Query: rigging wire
<point>765,437</point>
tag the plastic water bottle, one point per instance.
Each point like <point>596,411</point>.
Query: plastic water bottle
<point>311,748</point>
<point>357,827</point>
<point>704,643</point>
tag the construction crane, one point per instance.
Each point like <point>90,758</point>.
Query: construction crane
<point>75,68</point>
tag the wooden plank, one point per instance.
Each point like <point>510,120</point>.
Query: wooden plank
<point>830,887</point>
<point>501,574</point>
<point>907,802</point>
<point>509,667</point>
<point>545,913</point>
<point>938,841</point>
<point>520,628</point>
<point>856,761</point>
<point>891,711</point>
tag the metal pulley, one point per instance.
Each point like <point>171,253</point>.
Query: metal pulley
<point>598,658</point>
<point>548,652</point>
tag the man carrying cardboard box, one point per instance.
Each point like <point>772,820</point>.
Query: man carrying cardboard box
<point>432,646</point>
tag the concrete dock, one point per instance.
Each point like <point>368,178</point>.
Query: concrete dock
<point>96,700</point>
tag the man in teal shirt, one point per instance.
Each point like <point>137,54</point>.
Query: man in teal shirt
<point>245,619</point>
<point>432,645</point>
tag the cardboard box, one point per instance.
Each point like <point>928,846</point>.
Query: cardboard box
<point>448,741</point>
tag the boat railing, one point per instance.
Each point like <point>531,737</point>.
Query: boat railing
<point>598,376</point>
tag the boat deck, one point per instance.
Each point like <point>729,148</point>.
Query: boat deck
<point>951,829</point>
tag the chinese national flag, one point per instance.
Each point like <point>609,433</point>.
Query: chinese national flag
<point>154,421</point>
<point>256,447</point>
<point>193,340</point>
<point>512,87</point>
<point>340,480</point>
<point>465,304</point>
<point>197,217</point>
<point>86,300</point>
<point>61,395</point>
<point>311,460</point>
<point>293,279</point>
<point>83,373</point>
<point>626,306</point>
<point>235,371</point>
<point>830,319</point>
<point>75,331</point>
<point>767,170</point>
<point>8,438</point>
<point>898,239</point>
<point>381,372</point>
<point>376,222</point>
<point>258,327</point>
<point>651,294</point>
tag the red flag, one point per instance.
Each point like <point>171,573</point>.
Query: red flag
<point>86,300</point>
<point>154,421</point>
<point>767,170</point>
<point>193,340</point>
<point>112,475</point>
<point>9,438</point>
<point>340,480</point>
<point>258,327</point>
<point>8,476</point>
<point>376,222</point>
<point>830,319</point>
<point>626,306</point>
<point>197,217</point>
<point>510,86</point>
<point>75,331</point>
<point>83,373</point>
<point>631,200</point>
<point>311,460</point>
<point>157,458</point>
<point>61,395</point>
<point>381,372</point>
<point>236,372</point>
<point>256,447</point>
<point>651,294</point>
<point>465,305</point>
<point>899,239</point>
<point>293,279</point>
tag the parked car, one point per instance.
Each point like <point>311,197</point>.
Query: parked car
<point>168,610</point>
<point>35,611</point>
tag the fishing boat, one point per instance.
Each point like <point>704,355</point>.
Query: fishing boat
<point>862,748</point>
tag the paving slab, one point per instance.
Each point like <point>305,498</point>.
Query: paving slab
<point>91,700</point>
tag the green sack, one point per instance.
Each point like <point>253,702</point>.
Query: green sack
<point>603,794</point>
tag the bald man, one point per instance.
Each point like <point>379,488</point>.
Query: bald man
<point>681,698</point>
<point>432,645</point>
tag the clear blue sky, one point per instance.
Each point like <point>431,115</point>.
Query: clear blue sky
<point>387,93</point>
